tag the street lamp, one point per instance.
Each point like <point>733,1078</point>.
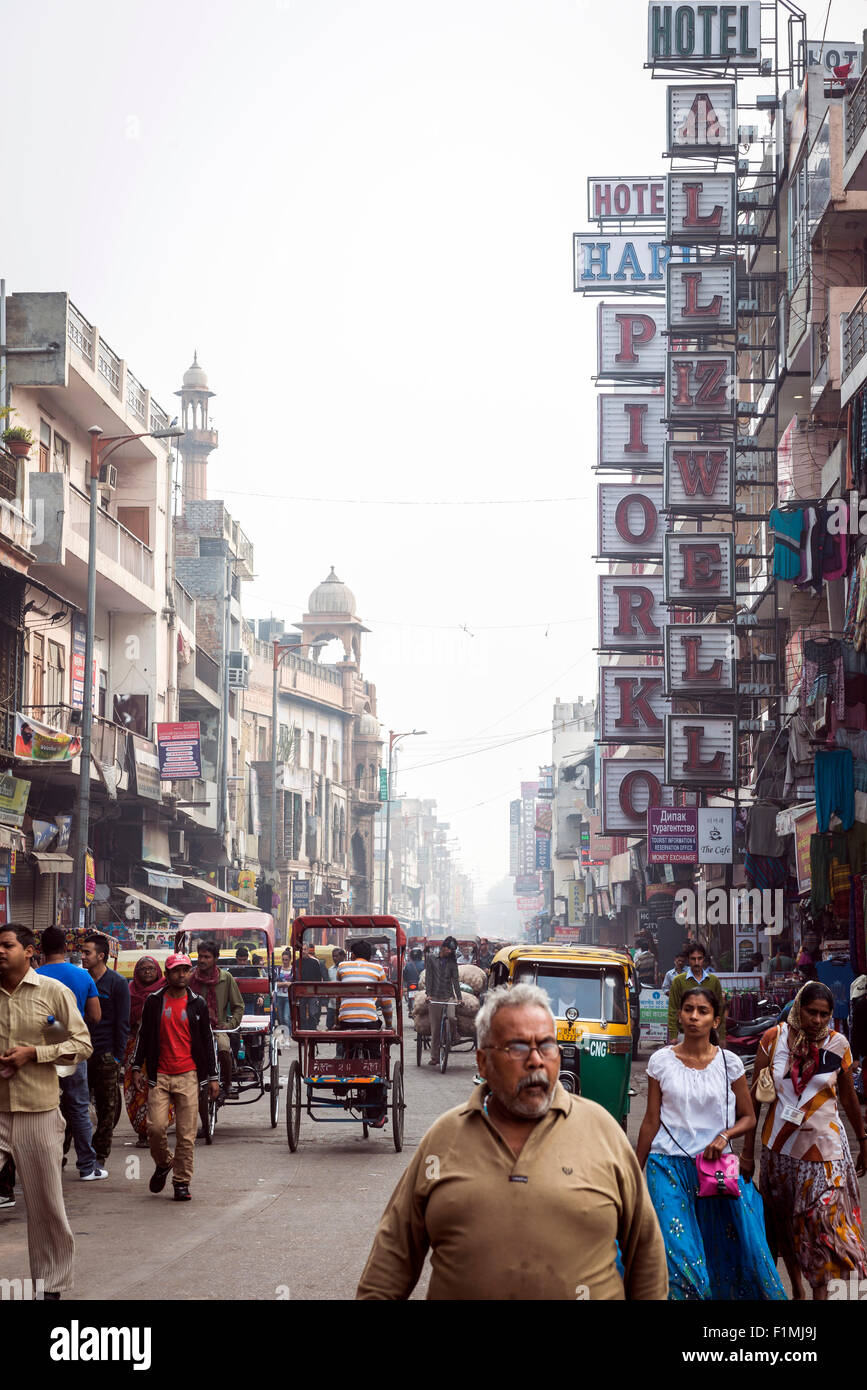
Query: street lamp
<point>393,738</point>
<point>99,451</point>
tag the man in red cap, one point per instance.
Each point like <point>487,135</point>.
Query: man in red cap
<point>176,1045</point>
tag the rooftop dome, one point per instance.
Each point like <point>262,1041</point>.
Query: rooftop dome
<point>195,378</point>
<point>332,596</point>
<point>368,725</point>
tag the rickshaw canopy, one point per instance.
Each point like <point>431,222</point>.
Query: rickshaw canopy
<point>207,924</point>
<point>357,927</point>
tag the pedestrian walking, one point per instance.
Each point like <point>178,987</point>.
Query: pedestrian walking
<point>74,1089</point>
<point>284,978</point>
<point>31,1126</point>
<point>522,1192</point>
<point>698,972</point>
<point>442,985</point>
<point>311,973</point>
<point>808,1181</point>
<point>147,978</point>
<point>176,1045</point>
<point>670,976</point>
<point>105,1066</point>
<point>225,1003</point>
<point>697,1102</point>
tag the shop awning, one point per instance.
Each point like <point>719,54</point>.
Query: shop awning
<point>54,863</point>
<point>163,908</point>
<point>12,838</point>
<point>214,892</point>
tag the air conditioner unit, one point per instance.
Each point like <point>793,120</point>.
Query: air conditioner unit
<point>239,671</point>
<point>107,477</point>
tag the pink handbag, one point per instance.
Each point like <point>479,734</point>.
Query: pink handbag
<point>718,1177</point>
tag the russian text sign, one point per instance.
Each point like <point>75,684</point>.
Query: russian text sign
<point>672,835</point>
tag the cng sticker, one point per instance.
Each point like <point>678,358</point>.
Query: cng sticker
<point>598,1047</point>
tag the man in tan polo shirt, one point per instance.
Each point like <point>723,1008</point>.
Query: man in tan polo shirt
<point>522,1192</point>
<point>31,1126</point>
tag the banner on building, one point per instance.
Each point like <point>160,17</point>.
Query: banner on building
<point>716,835</point>
<point>631,432</point>
<point>805,828</point>
<point>515,862</point>
<point>14,792</point>
<point>639,199</point>
<point>632,612</point>
<point>527,883</point>
<point>629,524</point>
<point>543,851</point>
<point>146,768</point>
<point>575,902</point>
<point>300,894</point>
<point>180,750</point>
<point>39,743</point>
<point>633,704</point>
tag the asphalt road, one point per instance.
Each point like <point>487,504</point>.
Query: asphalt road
<point>263,1223</point>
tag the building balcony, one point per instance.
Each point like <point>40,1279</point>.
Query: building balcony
<point>199,685</point>
<point>199,801</point>
<point>853,346</point>
<point>109,744</point>
<point>838,212</point>
<point>16,529</point>
<point>125,565</point>
<point>827,366</point>
<point>855,165</point>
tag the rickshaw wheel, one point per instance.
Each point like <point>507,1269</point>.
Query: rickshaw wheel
<point>419,1048</point>
<point>208,1116</point>
<point>274,1095</point>
<point>293,1106</point>
<point>365,1130</point>
<point>397,1107</point>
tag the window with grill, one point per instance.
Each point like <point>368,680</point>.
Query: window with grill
<point>799,225</point>
<point>55,677</point>
<point>37,669</point>
<point>61,454</point>
<point>44,447</point>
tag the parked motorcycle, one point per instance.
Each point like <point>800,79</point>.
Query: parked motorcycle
<point>743,1038</point>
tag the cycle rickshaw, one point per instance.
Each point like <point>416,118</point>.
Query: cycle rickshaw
<point>256,1042</point>
<point>337,1065</point>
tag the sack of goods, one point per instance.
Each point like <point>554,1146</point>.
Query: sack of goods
<point>465,1014</point>
<point>473,976</point>
<point>421,1012</point>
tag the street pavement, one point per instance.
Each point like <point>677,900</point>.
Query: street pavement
<point>264,1224</point>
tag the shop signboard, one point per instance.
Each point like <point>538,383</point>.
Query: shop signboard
<point>632,613</point>
<point>699,569</point>
<point>14,792</point>
<point>672,835</point>
<point>631,342</point>
<point>702,120</point>
<point>604,264</point>
<point>805,828</point>
<point>629,523</point>
<point>626,199</point>
<point>699,476</point>
<point>301,894</point>
<point>631,433</point>
<point>701,207</point>
<point>716,835</point>
<point>180,750</point>
<point>39,743</point>
<point>701,750</point>
<point>653,1007</point>
<point>633,704</point>
<point>146,765</point>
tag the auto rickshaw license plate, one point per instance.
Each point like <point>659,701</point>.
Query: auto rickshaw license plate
<point>566,1033</point>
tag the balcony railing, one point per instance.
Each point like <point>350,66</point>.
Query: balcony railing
<point>185,606</point>
<point>108,366</point>
<point>108,741</point>
<point>207,670</point>
<point>80,333</point>
<point>112,540</point>
<point>8,478</point>
<point>821,343</point>
<point>136,397</point>
<point>854,333</point>
<point>856,115</point>
<point>159,419</point>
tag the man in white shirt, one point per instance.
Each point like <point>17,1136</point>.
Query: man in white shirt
<point>677,969</point>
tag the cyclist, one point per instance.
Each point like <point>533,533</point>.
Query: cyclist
<point>443,989</point>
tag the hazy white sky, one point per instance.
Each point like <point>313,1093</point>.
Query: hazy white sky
<point>361,215</point>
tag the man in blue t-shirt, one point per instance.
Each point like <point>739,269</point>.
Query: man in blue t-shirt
<point>74,1089</point>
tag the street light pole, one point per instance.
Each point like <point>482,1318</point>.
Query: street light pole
<point>99,451</point>
<point>392,740</point>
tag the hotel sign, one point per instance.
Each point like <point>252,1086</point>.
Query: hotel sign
<point>700,659</point>
<point>631,433</point>
<point>631,342</point>
<point>699,568</point>
<point>699,477</point>
<point>630,787</point>
<point>701,298</point>
<point>626,199</point>
<point>701,208</point>
<point>700,750</point>
<point>622,262</point>
<point>705,35</point>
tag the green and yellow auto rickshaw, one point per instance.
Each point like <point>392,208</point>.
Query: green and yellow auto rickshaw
<point>591,990</point>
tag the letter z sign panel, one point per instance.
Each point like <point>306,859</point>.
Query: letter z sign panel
<point>700,386</point>
<point>631,612</point>
<point>633,704</point>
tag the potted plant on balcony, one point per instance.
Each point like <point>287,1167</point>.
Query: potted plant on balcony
<point>18,440</point>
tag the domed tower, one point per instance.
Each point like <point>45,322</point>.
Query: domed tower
<point>331,614</point>
<point>196,446</point>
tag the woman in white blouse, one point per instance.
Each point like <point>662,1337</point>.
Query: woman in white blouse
<point>697,1102</point>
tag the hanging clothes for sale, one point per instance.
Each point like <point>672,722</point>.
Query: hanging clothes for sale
<point>835,787</point>
<point>787,528</point>
<point>825,851</point>
<point>805,574</point>
<point>823,675</point>
<point>799,757</point>
<point>765,871</point>
<point>857,941</point>
<point>762,837</point>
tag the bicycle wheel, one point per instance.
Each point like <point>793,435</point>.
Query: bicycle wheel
<point>397,1107</point>
<point>445,1041</point>
<point>293,1106</point>
<point>274,1095</point>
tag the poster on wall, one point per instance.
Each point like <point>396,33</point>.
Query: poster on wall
<point>805,828</point>
<point>180,750</point>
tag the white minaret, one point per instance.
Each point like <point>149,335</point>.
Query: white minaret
<point>197,444</point>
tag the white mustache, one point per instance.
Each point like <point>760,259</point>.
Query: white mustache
<point>536,1078</point>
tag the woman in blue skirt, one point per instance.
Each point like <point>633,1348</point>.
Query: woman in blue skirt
<point>697,1102</point>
